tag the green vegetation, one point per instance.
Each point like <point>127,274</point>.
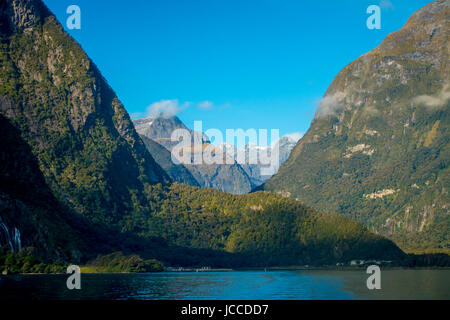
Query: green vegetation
<point>262,229</point>
<point>26,262</point>
<point>117,262</point>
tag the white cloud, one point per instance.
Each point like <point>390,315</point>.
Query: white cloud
<point>436,101</point>
<point>205,105</point>
<point>166,108</point>
<point>330,105</point>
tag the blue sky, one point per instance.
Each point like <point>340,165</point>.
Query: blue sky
<point>260,64</point>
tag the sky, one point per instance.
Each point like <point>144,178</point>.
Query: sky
<point>261,64</point>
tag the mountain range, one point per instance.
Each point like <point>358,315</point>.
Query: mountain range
<point>77,180</point>
<point>236,178</point>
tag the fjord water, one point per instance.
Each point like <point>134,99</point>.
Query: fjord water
<point>245,285</point>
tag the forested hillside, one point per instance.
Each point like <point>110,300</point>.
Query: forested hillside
<point>378,149</point>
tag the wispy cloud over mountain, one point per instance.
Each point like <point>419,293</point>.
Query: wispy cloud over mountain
<point>330,105</point>
<point>166,108</point>
<point>434,101</point>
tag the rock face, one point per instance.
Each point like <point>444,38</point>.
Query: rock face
<point>230,178</point>
<point>378,149</point>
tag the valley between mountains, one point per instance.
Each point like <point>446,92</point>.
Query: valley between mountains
<point>83,183</point>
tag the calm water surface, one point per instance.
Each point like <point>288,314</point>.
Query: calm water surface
<point>245,285</point>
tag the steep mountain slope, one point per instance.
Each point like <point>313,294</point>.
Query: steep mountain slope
<point>225,177</point>
<point>84,140</point>
<point>378,149</point>
<point>162,156</point>
<point>27,204</point>
<point>77,180</point>
<point>32,218</point>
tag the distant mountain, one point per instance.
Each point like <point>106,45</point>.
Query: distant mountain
<point>285,146</point>
<point>230,178</point>
<point>76,180</point>
<point>378,149</point>
<point>160,129</point>
<point>238,178</point>
<point>178,172</point>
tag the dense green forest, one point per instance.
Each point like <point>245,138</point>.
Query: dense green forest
<point>26,262</point>
<point>118,262</point>
<point>265,228</point>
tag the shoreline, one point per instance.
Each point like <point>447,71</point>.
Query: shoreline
<point>340,268</point>
<point>269,269</point>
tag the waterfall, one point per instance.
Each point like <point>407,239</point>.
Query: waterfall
<point>12,239</point>
<point>6,238</point>
<point>17,242</point>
